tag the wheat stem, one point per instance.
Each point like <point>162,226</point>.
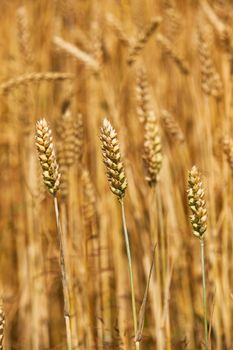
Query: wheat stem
<point>127,244</point>
<point>204,291</point>
<point>64,278</point>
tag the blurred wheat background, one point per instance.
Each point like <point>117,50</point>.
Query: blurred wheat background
<point>161,72</point>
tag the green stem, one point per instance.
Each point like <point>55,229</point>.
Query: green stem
<point>64,278</point>
<point>137,344</point>
<point>204,291</point>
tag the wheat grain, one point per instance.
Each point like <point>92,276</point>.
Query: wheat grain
<point>197,204</point>
<point>47,158</point>
<point>112,159</point>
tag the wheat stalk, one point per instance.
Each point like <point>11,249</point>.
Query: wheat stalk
<point>51,177</point>
<point>196,199</point>
<point>118,184</point>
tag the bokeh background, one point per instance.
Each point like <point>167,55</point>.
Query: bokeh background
<point>74,63</point>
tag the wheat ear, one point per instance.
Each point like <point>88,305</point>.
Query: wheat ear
<point>142,39</point>
<point>173,53</point>
<point>143,95</point>
<point>118,184</point>
<point>51,177</point>
<point>74,51</point>
<point>24,36</point>
<point>152,156</point>
<point>70,132</point>
<point>196,199</point>
<point>210,78</point>
<point>119,31</point>
<point>172,127</point>
<point>33,77</point>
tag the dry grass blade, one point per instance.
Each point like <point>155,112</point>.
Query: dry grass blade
<point>142,311</point>
<point>228,150</point>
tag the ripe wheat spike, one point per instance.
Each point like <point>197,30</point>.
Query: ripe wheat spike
<point>47,158</point>
<point>112,159</point>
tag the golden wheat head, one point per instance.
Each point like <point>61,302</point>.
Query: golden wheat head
<point>197,204</point>
<point>112,160</point>
<point>47,158</point>
<point>152,156</point>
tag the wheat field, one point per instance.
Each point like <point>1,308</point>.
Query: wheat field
<point>116,116</point>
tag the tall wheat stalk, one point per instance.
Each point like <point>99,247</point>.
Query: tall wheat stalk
<point>118,184</point>
<point>51,177</point>
<point>198,218</point>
